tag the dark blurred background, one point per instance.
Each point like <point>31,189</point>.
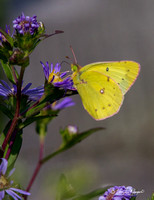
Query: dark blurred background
<point>98,30</point>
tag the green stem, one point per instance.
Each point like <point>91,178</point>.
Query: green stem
<point>52,155</point>
<point>14,74</point>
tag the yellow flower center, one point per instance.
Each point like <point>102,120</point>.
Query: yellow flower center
<point>56,77</point>
<point>3,182</point>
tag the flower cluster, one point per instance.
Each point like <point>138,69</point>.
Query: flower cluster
<point>118,193</point>
<point>6,185</point>
<point>25,24</point>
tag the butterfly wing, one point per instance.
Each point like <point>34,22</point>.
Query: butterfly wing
<point>124,73</point>
<point>100,95</point>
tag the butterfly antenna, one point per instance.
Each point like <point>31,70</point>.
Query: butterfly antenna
<point>65,61</point>
<point>75,60</point>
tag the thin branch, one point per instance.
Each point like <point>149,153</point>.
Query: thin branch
<point>38,166</point>
<point>16,116</point>
<point>13,137</point>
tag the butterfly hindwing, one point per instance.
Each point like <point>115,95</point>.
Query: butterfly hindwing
<point>123,73</point>
<point>101,96</point>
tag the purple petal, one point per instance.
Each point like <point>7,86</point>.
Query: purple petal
<point>6,85</point>
<point>118,198</point>
<point>102,198</point>
<point>63,74</point>
<point>15,89</point>
<point>13,194</point>
<point>11,172</point>
<point>20,191</point>
<point>3,166</point>
<point>67,102</point>
<point>26,87</point>
<point>51,67</point>
<point>57,68</point>
<point>27,18</point>
<point>2,193</point>
<point>45,69</point>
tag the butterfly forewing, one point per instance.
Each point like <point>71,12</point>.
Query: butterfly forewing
<point>124,73</point>
<point>100,95</point>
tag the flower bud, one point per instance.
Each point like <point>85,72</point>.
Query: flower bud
<point>19,58</point>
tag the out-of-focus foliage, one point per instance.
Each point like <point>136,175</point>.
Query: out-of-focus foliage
<point>3,16</point>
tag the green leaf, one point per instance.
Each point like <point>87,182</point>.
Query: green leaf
<point>32,119</point>
<point>90,195</point>
<point>7,36</point>
<point>46,116</point>
<point>79,137</point>
<point>51,95</point>
<point>8,71</point>
<point>15,150</point>
<point>64,189</point>
<point>7,197</point>
<point>6,111</point>
<point>133,198</point>
<point>152,197</point>
<point>2,137</point>
<point>73,141</point>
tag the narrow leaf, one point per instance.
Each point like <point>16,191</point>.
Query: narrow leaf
<point>15,149</point>
<point>6,111</point>
<point>30,120</point>
<point>64,189</point>
<point>76,139</point>
<point>80,136</point>
<point>95,193</point>
<point>8,71</point>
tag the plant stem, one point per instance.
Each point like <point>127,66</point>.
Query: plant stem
<point>38,166</point>
<point>13,136</point>
<point>35,104</point>
<point>17,112</point>
<point>51,155</point>
<point>14,74</point>
<point>41,161</point>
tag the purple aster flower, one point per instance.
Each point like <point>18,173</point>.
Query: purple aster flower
<point>53,75</point>
<point>2,37</point>
<point>6,184</point>
<point>33,94</point>
<point>118,193</point>
<point>59,105</point>
<point>25,24</point>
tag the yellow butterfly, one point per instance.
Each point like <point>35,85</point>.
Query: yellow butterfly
<point>102,85</point>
